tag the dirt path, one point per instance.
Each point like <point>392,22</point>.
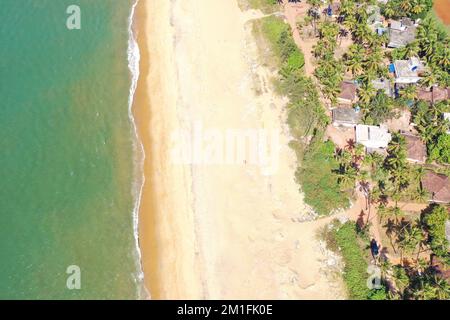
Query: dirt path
<point>442,9</point>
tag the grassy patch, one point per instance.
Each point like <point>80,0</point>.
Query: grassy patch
<point>266,6</point>
<point>274,34</point>
<point>318,182</point>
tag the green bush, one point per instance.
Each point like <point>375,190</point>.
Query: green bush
<point>435,221</point>
<point>355,270</point>
<point>266,6</point>
<point>319,184</point>
<point>440,151</point>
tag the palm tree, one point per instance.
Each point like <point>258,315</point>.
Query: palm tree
<point>374,60</point>
<point>354,59</point>
<point>343,33</point>
<point>441,55</point>
<point>329,30</point>
<point>428,79</point>
<point>406,5</point>
<point>319,49</point>
<point>347,179</point>
<point>391,232</point>
<point>367,76</point>
<point>394,212</point>
<point>344,158</point>
<point>366,92</point>
<point>350,22</point>
<point>410,238</point>
<point>347,8</point>
<point>428,36</point>
<point>361,32</point>
<point>396,159</point>
<point>412,49</point>
<point>401,279</point>
<point>409,92</point>
<point>416,8</point>
<point>431,287</point>
<point>350,145</point>
<point>442,288</point>
<point>314,14</point>
<point>364,187</point>
<point>389,10</point>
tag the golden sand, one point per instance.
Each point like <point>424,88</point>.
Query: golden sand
<point>217,231</point>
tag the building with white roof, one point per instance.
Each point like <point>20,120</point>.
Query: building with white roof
<point>373,137</point>
<point>407,71</point>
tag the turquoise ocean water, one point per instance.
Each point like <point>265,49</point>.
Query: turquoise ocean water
<point>68,169</point>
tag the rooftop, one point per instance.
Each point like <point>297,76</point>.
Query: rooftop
<point>348,91</point>
<point>408,68</point>
<point>415,148</point>
<point>396,25</point>
<point>435,94</point>
<point>438,185</point>
<point>372,136</point>
<point>408,22</point>
<point>346,115</point>
<point>383,85</point>
<point>400,36</point>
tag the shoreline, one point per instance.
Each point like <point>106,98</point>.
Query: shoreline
<point>141,112</point>
<point>166,259</point>
<point>133,53</point>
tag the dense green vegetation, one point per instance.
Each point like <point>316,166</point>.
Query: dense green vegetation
<point>316,177</point>
<point>347,240</point>
<point>435,224</point>
<point>379,108</point>
<point>329,70</point>
<point>433,128</point>
<point>266,6</point>
<point>409,8</point>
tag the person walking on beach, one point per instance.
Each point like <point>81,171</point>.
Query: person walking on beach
<point>375,249</point>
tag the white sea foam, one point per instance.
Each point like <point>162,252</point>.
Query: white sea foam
<point>133,64</point>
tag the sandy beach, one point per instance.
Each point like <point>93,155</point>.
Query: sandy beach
<point>212,229</point>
